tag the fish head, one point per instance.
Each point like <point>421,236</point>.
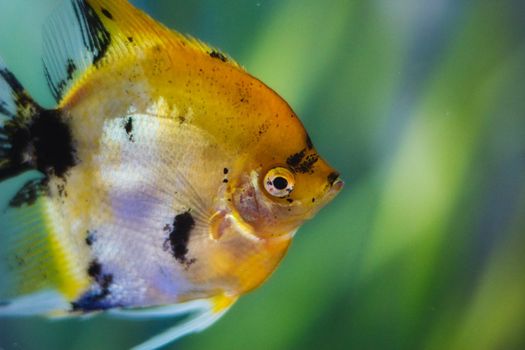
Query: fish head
<point>283,182</point>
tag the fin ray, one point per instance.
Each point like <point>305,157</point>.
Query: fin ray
<point>41,302</point>
<point>74,39</point>
<point>205,313</point>
<point>83,35</point>
<point>162,311</point>
<point>16,110</point>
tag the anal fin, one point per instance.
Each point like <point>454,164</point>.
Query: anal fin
<point>201,314</point>
<point>42,302</point>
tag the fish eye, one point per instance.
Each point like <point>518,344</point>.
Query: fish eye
<point>279,182</point>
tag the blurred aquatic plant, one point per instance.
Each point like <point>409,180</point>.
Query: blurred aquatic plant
<point>421,104</point>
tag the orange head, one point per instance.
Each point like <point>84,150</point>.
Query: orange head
<point>281,180</point>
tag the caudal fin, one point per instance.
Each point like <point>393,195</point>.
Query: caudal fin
<point>17,109</point>
<point>31,137</point>
<point>33,273</point>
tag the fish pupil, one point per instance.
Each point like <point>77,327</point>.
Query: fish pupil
<point>280,183</point>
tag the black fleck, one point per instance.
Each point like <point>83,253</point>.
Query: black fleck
<point>96,297</point>
<point>309,143</point>
<point>90,237</point>
<point>95,269</point>
<point>295,159</point>
<point>307,164</point>
<point>128,126</point>
<point>225,170</point>
<point>289,200</point>
<point>70,69</point>
<point>302,163</point>
<point>225,180</point>
<point>61,188</point>
<point>106,13</point>
<point>218,55</point>
<point>29,193</point>
<point>130,39</point>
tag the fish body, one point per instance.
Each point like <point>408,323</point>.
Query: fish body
<point>168,174</point>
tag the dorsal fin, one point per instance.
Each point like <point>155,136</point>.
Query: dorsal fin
<point>83,35</point>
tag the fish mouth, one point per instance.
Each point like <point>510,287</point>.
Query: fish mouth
<point>334,187</point>
<point>337,186</point>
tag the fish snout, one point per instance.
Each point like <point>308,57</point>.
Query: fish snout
<point>335,182</point>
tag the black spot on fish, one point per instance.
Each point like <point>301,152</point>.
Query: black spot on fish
<point>94,270</point>
<point>295,159</point>
<point>130,39</point>
<point>289,200</point>
<point>309,143</point>
<point>225,180</point>
<point>97,297</point>
<point>70,69</point>
<point>45,143</point>
<point>313,200</point>
<point>332,177</point>
<point>29,193</point>
<point>179,237</point>
<point>225,171</point>
<point>90,237</point>
<point>128,126</point>
<point>60,86</point>
<point>53,143</point>
<point>61,189</point>
<point>106,13</point>
<point>263,129</point>
<point>218,55</point>
<point>302,163</point>
<point>95,36</point>
<point>307,164</point>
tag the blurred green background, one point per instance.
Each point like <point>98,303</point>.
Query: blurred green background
<point>421,106</point>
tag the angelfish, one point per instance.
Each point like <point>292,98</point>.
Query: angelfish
<point>167,180</point>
